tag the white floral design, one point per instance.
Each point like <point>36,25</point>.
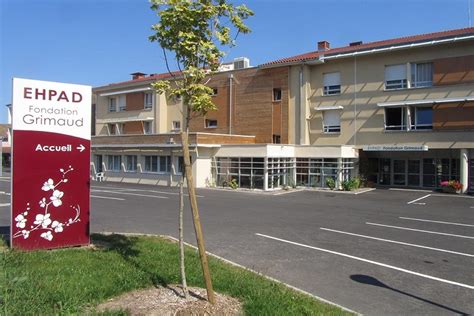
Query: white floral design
<point>21,220</point>
<point>57,226</point>
<point>47,235</point>
<point>42,203</point>
<point>43,220</point>
<point>48,185</point>
<point>25,233</point>
<point>56,198</point>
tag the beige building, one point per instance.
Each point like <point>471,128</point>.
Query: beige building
<point>406,105</point>
<point>396,112</point>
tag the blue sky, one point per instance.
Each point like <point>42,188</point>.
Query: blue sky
<point>96,42</point>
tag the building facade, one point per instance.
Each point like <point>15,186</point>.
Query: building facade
<point>396,112</point>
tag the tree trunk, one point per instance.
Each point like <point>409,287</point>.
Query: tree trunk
<point>197,223</point>
<point>181,241</point>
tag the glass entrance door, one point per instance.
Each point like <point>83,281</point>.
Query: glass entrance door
<point>399,172</point>
<point>385,171</point>
<point>414,168</point>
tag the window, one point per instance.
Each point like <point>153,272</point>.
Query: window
<point>147,127</point>
<point>158,164</point>
<point>276,139</point>
<point>277,94</point>
<point>395,119</point>
<point>98,163</point>
<point>421,75</point>
<point>332,121</point>
<point>151,163</point>
<point>421,118</point>
<point>131,163</point>
<point>176,125</point>
<point>332,83</point>
<point>114,162</point>
<point>122,106</point>
<point>395,77</point>
<point>165,164</point>
<point>180,165</point>
<point>112,104</point>
<point>211,123</point>
<point>148,100</point>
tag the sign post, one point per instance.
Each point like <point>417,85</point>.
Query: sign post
<point>50,164</point>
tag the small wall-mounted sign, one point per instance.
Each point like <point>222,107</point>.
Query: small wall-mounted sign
<point>395,148</point>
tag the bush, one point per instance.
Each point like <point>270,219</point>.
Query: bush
<point>352,184</point>
<point>233,184</point>
<point>330,183</point>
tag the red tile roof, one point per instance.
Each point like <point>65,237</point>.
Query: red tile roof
<point>372,45</point>
<point>333,51</point>
<point>153,77</point>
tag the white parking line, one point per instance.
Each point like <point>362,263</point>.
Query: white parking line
<point>398,242</point>
<point>439,222</point>
<point>365,191</point>
<point>423,197</point>
<point>4,204</point>
<point>107,198</point>
<point>420,230</point>
<point>140,190</point>
<point>135,194</point>
<point>409,190</point>
<point>457,196</point>
<point>471,287</point>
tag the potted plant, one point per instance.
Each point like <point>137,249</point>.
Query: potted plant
<point>451,186</point>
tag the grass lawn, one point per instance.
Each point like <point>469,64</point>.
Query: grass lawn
<point>68,281</point>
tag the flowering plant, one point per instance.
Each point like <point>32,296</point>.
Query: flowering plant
<point>454,184</point>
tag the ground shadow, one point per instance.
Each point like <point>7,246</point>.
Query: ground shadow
<point>365,279</point>
<point>128,249</point>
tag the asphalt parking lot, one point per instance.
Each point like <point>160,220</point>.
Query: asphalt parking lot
<point>383,252</point>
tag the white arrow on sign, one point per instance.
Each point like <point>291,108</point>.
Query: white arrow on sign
<point>81,148</point>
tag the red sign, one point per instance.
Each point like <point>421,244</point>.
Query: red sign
<point>50,164</point>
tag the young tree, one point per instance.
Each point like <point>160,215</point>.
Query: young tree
<point>195,32</point>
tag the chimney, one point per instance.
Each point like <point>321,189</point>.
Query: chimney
<point>355,43</point>
<point>138,75</point>
<point>323,45</point>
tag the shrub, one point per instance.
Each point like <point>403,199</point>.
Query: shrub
<point>233,184</point>
<point>330,183</point>
<point>352,184</point>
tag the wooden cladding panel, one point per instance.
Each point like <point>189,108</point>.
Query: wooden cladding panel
<point>453,70</point>
<point>135,101</point>
<point>133,128</point>
<point>453,116</point>
<point>252,106</point>
<point>276,118</point>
